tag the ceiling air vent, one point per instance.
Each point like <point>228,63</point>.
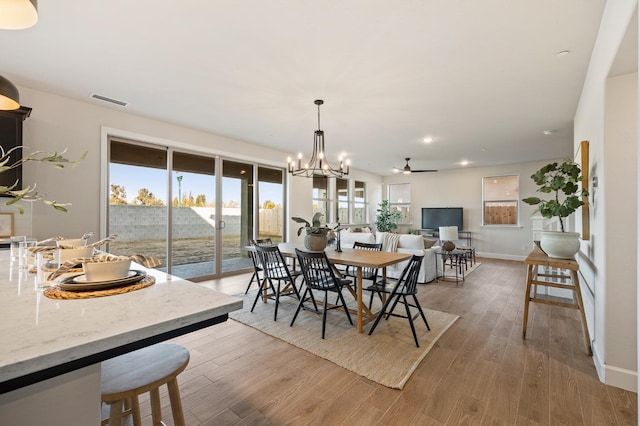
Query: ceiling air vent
<point>110,100</point>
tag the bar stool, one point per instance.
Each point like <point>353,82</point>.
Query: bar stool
<point>125,377</point>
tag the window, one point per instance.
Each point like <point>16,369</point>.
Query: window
<point>500,200</point>
<point>360,202</point>
<point>321,196</point>
<point>400,200</point>
<point>342,188</point>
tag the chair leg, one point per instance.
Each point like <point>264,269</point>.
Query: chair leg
<point>324,313</point>
<point>409,317</point>
<point>299,306</point>
<point>275,311</point>
<point>261,288</point>
<point>344,305</point>
<point>255,275</point>
<point>424,317</point>
<point>382,312</point>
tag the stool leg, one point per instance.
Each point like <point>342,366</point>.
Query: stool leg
<point>176,402</point>
<point>115,413</point>
<point>527,293</point>
<point>135,410</point>
<point>156,412</point>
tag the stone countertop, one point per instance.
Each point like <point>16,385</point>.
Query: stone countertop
<point>38,334</point>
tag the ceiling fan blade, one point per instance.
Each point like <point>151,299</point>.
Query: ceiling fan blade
<point>423,171</point>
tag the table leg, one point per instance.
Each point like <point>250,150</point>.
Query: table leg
<point>526,300</point>
<point>585,330</point>
<point>359,301</point>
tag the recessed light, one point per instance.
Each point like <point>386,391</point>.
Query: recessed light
<point>427,140</point>
<point>548,132</point>
<point>562,53</point>
<point>464,163</point>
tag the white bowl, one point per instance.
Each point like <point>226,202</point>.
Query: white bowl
<point>75,242</point>
<point>70,253</point>
<point>111,269</point>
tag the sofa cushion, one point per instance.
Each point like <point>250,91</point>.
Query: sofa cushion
<point>348,238</point>
<point>411,241</point>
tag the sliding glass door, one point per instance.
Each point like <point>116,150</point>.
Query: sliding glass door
<point>193,224</point>
<point>194,212</point>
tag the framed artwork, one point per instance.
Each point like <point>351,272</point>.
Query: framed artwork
<point>6,224</point>
<point>582,158</point>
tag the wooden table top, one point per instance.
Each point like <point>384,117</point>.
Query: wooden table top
<point>354,257</point>
<point>539,257</point>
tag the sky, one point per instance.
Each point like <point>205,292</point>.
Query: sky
<point>133,178</point>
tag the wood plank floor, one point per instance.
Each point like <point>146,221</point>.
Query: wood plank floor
<point>481,372</point>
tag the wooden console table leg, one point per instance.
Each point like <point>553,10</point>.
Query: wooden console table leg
<point>527,295</point>
<point>576,284</point>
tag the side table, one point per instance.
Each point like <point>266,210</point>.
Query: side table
<point>538,258</point>
<point>456,259</point>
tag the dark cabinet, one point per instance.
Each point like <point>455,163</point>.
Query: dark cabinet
<point>10,137</point>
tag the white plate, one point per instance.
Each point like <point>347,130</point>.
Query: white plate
<point>75,283</point>
<point>82,279</point>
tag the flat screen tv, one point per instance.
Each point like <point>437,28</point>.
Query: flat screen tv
<point>435,217</point>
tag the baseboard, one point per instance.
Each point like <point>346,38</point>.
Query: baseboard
<point>615,376</point>
<point>622,378</point>
<point>501,256</point>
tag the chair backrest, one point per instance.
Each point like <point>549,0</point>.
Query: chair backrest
<point>257,265</point>
<point>367,246</point>
<point>367,272</point>
<point>407,283</point>
<point>272,262</point>
<point>261,242</point>
<point>316,269</point>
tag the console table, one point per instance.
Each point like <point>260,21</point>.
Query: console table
<point>538,258</point>
<point>464,235</point>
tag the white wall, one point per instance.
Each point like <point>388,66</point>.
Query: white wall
<point>57,123</point>
<point>463,188</point>
<point>612,321</point>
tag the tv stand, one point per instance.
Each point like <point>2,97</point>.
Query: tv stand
<point>464,235</point>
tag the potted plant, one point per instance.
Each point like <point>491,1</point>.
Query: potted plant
<point>316,234</point>
<point>386,220</point>
<point>562,180</point>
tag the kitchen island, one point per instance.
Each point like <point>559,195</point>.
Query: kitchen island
<point>50,350</point>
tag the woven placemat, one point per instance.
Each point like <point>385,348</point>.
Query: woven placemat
<point>55,292</point>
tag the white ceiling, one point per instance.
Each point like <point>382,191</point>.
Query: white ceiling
<point>480,77</point>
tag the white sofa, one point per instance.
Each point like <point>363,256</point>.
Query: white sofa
<point>413,244</point>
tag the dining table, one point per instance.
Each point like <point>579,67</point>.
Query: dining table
<point>51,349</point>
<point>358,259</point>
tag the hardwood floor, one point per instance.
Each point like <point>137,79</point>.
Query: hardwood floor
<point>481,372</point>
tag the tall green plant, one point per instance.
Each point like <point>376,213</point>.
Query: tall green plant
<point>386,220</point>
<point>554,179</point>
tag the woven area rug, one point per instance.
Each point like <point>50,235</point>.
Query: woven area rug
<point>389,356</point>
<point>450,273</point>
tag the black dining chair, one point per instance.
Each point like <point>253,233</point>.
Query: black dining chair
<point>398,292</point>
<point>257,267</point>
<point>275,269</point>
<point>367,273</point>
<point>319,275</point>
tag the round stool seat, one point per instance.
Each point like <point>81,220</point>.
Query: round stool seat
<point>145,370</point>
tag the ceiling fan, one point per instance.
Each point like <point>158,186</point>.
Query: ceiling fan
<point>407,169</point>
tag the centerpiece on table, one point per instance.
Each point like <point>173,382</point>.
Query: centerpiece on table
<point>563,181</point>
<point>316,233</point>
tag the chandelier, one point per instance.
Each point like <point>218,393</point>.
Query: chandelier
<point>318,164</point>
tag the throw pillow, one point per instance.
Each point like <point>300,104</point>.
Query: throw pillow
<point>428,243</point>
